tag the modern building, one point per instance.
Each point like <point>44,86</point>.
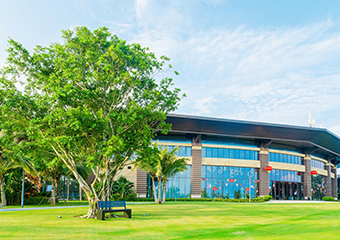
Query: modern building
<point>227,158</point>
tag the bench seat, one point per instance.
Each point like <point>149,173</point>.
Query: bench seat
<point>106,206</point>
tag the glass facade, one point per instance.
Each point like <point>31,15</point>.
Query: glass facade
<point>317,164</point>
<point>229,182</point>
<point>284,158</point>
<point>284,176</point>
<point>183,151</point>
<point>171,139</point>
<point>233,182</point>
<point>178,186</point>
<point>318,187</point>
<point>208,152</point>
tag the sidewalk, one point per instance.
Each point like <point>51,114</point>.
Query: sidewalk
<point>58,207</point>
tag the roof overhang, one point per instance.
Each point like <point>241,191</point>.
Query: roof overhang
<point>316,140</point>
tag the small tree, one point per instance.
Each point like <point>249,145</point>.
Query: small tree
<point>147,160</point>
<point>122,187</point>
<point>161,163</point>
<point>10,159</point>
<point>168,166</point>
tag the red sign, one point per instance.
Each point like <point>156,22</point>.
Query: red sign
<point>231,180</point>
<point>215,188</point>
<point>204,179</point>
<point>298,173</point>
<point>247,189</point>
<point>313,172</point>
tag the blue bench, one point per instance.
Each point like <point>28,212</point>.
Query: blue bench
<point>106,206</point>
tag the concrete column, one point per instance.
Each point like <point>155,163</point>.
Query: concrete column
<point>141,183</point>
<point>196,168</point>
<point>335,184</point>
<point>263,174</point>
<point>328,180</point>
<point>307,180</point>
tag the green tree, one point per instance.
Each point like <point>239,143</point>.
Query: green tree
<point>161,163</point>
<point>92,99</point>
<point>122,187</point>
<point>9,159</point>
<point>168,165</point>
<point>147,161</point>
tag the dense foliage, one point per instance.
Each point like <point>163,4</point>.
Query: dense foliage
<point>92,100</point>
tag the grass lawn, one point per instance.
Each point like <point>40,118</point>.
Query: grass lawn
<point>182,220</point>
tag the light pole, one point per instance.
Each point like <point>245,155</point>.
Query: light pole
<point>23,188</point>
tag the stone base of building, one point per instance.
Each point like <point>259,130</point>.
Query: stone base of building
<point>195,195</point>
<point>141,195</point>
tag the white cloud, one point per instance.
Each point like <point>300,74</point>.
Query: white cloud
<point>205,105</point>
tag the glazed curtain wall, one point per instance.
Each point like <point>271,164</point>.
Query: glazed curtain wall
<point>284,158</point>
<point>228,182</point>
<point>178,186</point>
<point>208,152</point>
<point>317,164</point>
<point>284,176</point>
<point>229,141</point>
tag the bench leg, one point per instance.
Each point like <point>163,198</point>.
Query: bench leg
<point>100,215</point>
<point>127,213</point>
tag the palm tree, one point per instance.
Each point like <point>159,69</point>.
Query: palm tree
<point>147,161</point>
<point>9,159</point>
<point>168,166</point>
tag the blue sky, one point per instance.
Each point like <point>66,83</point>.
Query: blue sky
<point>268,61</point>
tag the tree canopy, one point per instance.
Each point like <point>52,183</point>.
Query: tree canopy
<point>92,100</point>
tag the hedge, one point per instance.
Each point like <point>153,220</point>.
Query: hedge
<point>200,200</point>
<point>328,198</point>
<point>36,200</point>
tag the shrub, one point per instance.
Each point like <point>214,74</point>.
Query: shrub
<point>267,197</point>
<point>130,197</point>
<point>200,200</point>
<point>36,200</point>
<point>328,198</point>
<point>122,186</point>
<point>115,197</point>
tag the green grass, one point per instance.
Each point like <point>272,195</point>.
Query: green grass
<point>185,220</point>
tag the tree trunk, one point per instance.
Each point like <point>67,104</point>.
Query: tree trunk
<point>164,190</point>
<point>159,191</point>
<point>80,194</point>
<point>154,189</point>
<point>68,189</point>
<point>53,192</point>
<point>2,191</point>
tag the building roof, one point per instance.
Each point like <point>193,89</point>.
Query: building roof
<point>311,140</point>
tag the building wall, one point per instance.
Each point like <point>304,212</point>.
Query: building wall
<point>289,164</point>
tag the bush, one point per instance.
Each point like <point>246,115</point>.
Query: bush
<point>267,198</point>
<point>328,198</point>
<point>200,200</point>
<point>115,197</point>
<point>36,200</point>
<point>130,197</point>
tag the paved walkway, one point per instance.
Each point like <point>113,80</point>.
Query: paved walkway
<point>299,201</point>
<point>57,207</point>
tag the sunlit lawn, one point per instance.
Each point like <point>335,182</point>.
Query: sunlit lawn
<point>188,220</point>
